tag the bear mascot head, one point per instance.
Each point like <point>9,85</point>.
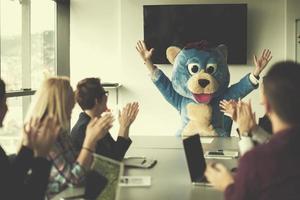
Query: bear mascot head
<point>199,73</point>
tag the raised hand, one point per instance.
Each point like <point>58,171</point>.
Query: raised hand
<point>41,135</point>
<point>261,62</point>
<point>143,51</point>
<point>127,117</point>
<point>246,119</point>
<point>97,129</point>
<point>146,55</point>
<point>229,108</point>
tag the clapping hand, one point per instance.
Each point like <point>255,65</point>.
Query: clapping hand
<point>218,175</point>
<point>229,108</point>
<point>98,128</point>
<point>246,119</point>
<point>40,135</point>
<point>127,117</point>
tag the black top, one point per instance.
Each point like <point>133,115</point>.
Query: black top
<point>107,146</point>
<point>15,183</point>
<point>266,124</point>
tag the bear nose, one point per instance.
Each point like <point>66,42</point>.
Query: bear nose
<point>203,82</point>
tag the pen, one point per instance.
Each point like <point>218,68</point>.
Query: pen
<point>238,131</point>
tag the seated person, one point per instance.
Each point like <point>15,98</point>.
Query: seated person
<point>55,97</point>
<point>270,170</point>
<point>38,138</point>
<point>92,98</point>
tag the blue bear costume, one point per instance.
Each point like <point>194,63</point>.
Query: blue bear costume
<point>200,81</point>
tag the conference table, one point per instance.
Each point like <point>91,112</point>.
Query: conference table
<point>170,179</point>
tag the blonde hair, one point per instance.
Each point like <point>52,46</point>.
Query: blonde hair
<point>52,99</point>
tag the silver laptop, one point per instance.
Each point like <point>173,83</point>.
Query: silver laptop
<point>195,160</point>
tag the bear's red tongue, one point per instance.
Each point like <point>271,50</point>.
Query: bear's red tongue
<point>203,98</point>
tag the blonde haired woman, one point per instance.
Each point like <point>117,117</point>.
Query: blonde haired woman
<point>38,138</point>
<point>56,98</point>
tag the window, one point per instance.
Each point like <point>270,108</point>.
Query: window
<point>28,53</point>
<point>42,41</point>
<point>11,44</point>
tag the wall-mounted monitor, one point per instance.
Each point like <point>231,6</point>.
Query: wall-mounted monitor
<point>166,25</point>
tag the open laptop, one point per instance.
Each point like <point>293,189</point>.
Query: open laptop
<point>112,170</point>
<point>102,182</point>
<point>195,160</point>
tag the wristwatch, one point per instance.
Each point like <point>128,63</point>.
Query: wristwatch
<point>247,133</point>
<point>257,77</point>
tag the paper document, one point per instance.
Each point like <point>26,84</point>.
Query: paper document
<point>206,140</point>
<point>135,181</point>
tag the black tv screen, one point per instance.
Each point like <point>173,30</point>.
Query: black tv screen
<point>166,25</point>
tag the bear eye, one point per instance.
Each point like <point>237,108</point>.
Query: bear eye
<point>193,68</point>
<point>211,68</point>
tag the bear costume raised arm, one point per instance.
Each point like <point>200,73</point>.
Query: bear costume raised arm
<point>200,80</point>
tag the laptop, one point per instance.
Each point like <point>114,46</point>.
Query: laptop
<point>195,160</point>
<point>112,170</point>
<point>102,182</point>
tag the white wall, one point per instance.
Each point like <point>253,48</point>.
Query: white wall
<point>292,14</point>
<point>103,38</point>
<point>95,42</point>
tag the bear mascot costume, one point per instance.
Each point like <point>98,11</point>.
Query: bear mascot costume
<point>200,80</point>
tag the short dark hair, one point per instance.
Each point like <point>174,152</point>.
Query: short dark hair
<point>87,91</point>
<point>281,87</point>
<point>2,90</point>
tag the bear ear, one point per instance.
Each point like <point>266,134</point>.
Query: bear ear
<point>171,53</point>
<point>223,50</point>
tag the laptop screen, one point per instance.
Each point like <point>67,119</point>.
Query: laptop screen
<point>195,157</point>
<point>111,170</point>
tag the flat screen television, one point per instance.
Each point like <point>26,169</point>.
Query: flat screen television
<point>166,25</point>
